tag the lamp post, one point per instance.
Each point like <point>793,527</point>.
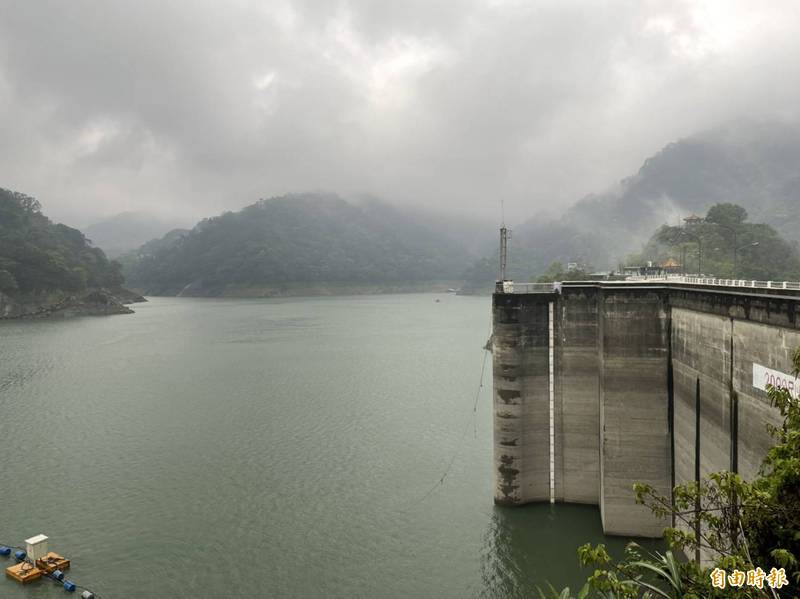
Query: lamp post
<point>734,244</point>
<point>699,250</point>
<point>683,259</point>
<point>736,251</point>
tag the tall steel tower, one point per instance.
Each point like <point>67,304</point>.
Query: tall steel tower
<point>504,236</point>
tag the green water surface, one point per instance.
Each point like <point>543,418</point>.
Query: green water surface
<point>269,448</point>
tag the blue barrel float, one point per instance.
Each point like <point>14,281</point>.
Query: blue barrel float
<point>69,586</point>
<point>5,551</point>
<point>58,575</point>
<point>20,555</point>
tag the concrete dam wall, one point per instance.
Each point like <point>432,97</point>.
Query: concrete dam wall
<point>595,389</point>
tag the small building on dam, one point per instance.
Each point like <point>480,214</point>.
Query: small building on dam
<point>596,388</point>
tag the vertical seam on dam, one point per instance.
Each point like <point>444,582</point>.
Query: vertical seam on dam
<point>697,505</point>
<point>551,398</point>
<point>671,412</point>
<point>734,403</point>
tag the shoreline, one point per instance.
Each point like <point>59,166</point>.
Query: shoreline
<point>309,290</point>
<point>59,304</point>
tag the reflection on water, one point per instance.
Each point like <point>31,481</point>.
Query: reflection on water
<point>530,546</point>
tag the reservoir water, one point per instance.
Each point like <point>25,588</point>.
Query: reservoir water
<point>269,448</point>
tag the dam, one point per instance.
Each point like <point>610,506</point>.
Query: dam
<point>600,385</point>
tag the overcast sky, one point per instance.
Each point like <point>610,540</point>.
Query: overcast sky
<point>199,106</point>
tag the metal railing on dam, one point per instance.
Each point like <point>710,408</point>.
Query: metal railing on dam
<point>512,287</point>
<point>525,288</point>
<point>714,282</point>
<point>602,384</point>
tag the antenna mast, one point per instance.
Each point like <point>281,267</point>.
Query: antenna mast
<point>503,251</point>
<point>504,236</point>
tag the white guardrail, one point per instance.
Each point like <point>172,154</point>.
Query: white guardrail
<point>745,283</point>
<point>512,287</point>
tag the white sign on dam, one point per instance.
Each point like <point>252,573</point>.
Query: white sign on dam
<point>763,376</point>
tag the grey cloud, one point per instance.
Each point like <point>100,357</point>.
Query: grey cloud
<point>195,107</point>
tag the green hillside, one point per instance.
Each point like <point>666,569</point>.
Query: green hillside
<point>296,240</point>
<point>725,245</point>
<point>38,256</point>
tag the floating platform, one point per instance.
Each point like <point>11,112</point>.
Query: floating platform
<point>24,572</point>
<point>37,561</point>
<point>52,562</point>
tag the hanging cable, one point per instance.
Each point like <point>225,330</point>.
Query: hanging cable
<point>456,453</point>
<point>486,352</point>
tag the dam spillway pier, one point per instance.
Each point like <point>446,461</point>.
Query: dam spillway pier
<point>595,389</point>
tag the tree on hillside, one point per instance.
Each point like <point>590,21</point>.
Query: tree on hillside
<point>726,214</point>
<point>28,204</point>
<point>556,272</point>
<point>482,274</point>
<point>38,255</point>
<point>725,245</point>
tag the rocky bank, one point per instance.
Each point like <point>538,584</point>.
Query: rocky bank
<point>93,302</point>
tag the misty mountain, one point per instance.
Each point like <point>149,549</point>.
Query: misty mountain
<point>749,164</point>
<point>127,231</point>
<point>297,241</point>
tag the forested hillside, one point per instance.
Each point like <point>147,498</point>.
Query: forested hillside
<point>725,245</point>
<point>296,240</point>
<point>37,255</point>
